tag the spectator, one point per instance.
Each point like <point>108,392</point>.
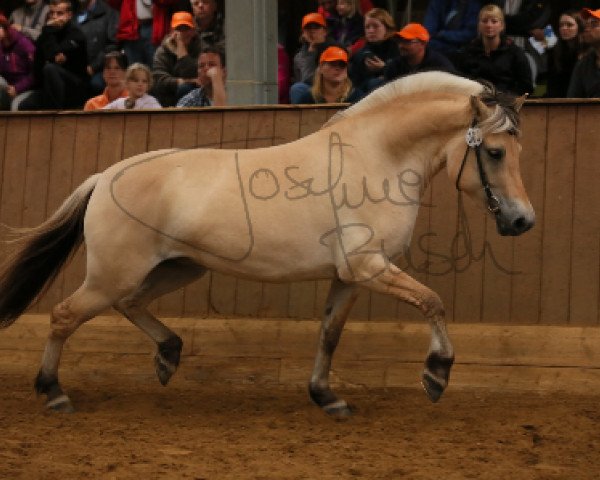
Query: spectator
<point>115,64</point>
<point>30,18</point>
<point>451,24</point>
<point>565,54</point>
<point>138,80</point>
<point>142,26</point>
<point>494,57</point>
<point>314,42</point>
<point>585,81</point>
<point>16,65</point>
<point>367,66</point>
<point>98,22</point>
<point>415,54</point>
<point>332,84</point>
<point>174,70</point>
<point>60,63</point>
<point>209,22</point>
<point>211,81</point>
<point>346,25</point>
<point>327,8</point>
<point>283,74</point>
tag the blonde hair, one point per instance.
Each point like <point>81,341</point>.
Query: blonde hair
<point>384,17</point>
<point>493,11</point>
<point>137,67</point>
<point>317,88</point>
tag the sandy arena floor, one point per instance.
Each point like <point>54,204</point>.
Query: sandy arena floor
<point>136,429</point>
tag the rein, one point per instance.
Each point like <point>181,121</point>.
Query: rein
<point>474,141</point>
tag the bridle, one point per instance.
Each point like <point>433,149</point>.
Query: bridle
<point>474,140</point>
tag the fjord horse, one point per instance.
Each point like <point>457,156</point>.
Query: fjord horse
<point>339,204</point>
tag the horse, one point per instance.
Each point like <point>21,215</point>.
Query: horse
<point>339,204</point>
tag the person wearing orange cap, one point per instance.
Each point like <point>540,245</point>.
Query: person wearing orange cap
<point>314,41</point>
<point>585,81</point>
<point>331,83</point>
<point>174,69</point>
<point>415,54</point>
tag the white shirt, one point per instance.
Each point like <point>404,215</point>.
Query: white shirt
<point>147,101</point>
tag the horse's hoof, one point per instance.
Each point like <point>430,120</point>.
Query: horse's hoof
<point>339,410</point>
<point>164,370</point>
<point>433,388</point>
<point>60,404</point>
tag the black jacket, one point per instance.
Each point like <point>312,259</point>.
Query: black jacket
<point>100,28</point>
<point>398,67</point>
<point>359,74</point>
<point>507,67</point>
<point>68,40</point>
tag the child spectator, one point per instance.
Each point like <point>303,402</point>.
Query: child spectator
<point>16,65</point>
<point>175,61</point>
<point>212,74</point>
<point>565,54</point>
<point>115,65</point>
<point>314,42</point>
<point>138,80</point>
<point>585,81</point>
<point>451,24</point>
<point>30,18</point>
<point>331,83</point>
<point>494,57</point>
<point>346,25</point>
<point>415,54</point>
<point>367,66</point>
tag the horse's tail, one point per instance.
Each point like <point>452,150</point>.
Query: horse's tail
<point>38,254</point>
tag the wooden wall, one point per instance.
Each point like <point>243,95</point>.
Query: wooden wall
<point>555,272</point>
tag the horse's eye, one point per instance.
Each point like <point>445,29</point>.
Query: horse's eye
<point>496,153</point>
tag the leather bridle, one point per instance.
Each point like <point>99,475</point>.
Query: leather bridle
<point>474,140</point>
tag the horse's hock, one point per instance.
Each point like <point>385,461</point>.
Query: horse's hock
<point>523,312</point>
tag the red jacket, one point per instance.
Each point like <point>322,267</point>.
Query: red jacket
<point>128,22</point>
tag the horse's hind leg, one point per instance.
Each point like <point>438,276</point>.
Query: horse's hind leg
<point>337,307</point>
<point>66,317</point>
<point>166,277</point>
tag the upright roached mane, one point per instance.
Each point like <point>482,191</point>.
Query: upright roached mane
<point>339,204</point>
<point>503,119</point>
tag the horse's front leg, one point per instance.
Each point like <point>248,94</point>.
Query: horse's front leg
<point>440,358</point>
<point>339,302</point>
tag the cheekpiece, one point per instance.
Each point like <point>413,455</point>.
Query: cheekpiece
<point>474,137</point>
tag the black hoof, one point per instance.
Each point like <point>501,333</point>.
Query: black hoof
<point>167,358</point>
<point>60,404</point>
<point>339,410</point>
<point>433,388</point>
<point>164,370</point>
<point>48,385</point>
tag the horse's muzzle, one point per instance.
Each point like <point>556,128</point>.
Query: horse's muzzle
<point>514,221</point>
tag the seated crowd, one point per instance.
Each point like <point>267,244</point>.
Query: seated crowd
<point>132,54</point>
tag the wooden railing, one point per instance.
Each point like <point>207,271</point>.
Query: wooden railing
<point>551,275</point>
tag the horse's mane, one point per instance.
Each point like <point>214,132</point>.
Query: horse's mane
<point>503,118</point>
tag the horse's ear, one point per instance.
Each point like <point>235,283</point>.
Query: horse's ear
<point>519,101</point>
<point>480,109</point>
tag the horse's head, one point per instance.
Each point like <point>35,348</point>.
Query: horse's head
<point>485,162</point>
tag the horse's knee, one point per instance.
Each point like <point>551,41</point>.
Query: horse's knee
<point>432,305</point>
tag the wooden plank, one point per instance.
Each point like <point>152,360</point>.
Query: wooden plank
<point>287,126</point>
<point>110,145</point>
<point>444,225</point>
<point>311,120</point>
<point>15,167</point>
<point>557,216</point>
<point>235,129</point>
<point>84,165</point>
<point>585,246</point>
<point>527,257</point>
<point>302,300</point>
<point>210,129</point>
<point>59,188</point>
<point>135,138</point>
<point>261,128</point>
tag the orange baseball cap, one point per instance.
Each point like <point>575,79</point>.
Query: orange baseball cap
<point>182,19</point>
<point>414,31</point>
<point>313,18</point>
<point>334,54</point>
<point>587,13</point>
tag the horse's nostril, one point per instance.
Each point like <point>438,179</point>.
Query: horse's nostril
<point>521,225</point>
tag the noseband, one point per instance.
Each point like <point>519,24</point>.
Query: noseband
<point>474,140</point>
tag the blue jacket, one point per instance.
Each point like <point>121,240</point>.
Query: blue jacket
<point>445,37</point>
